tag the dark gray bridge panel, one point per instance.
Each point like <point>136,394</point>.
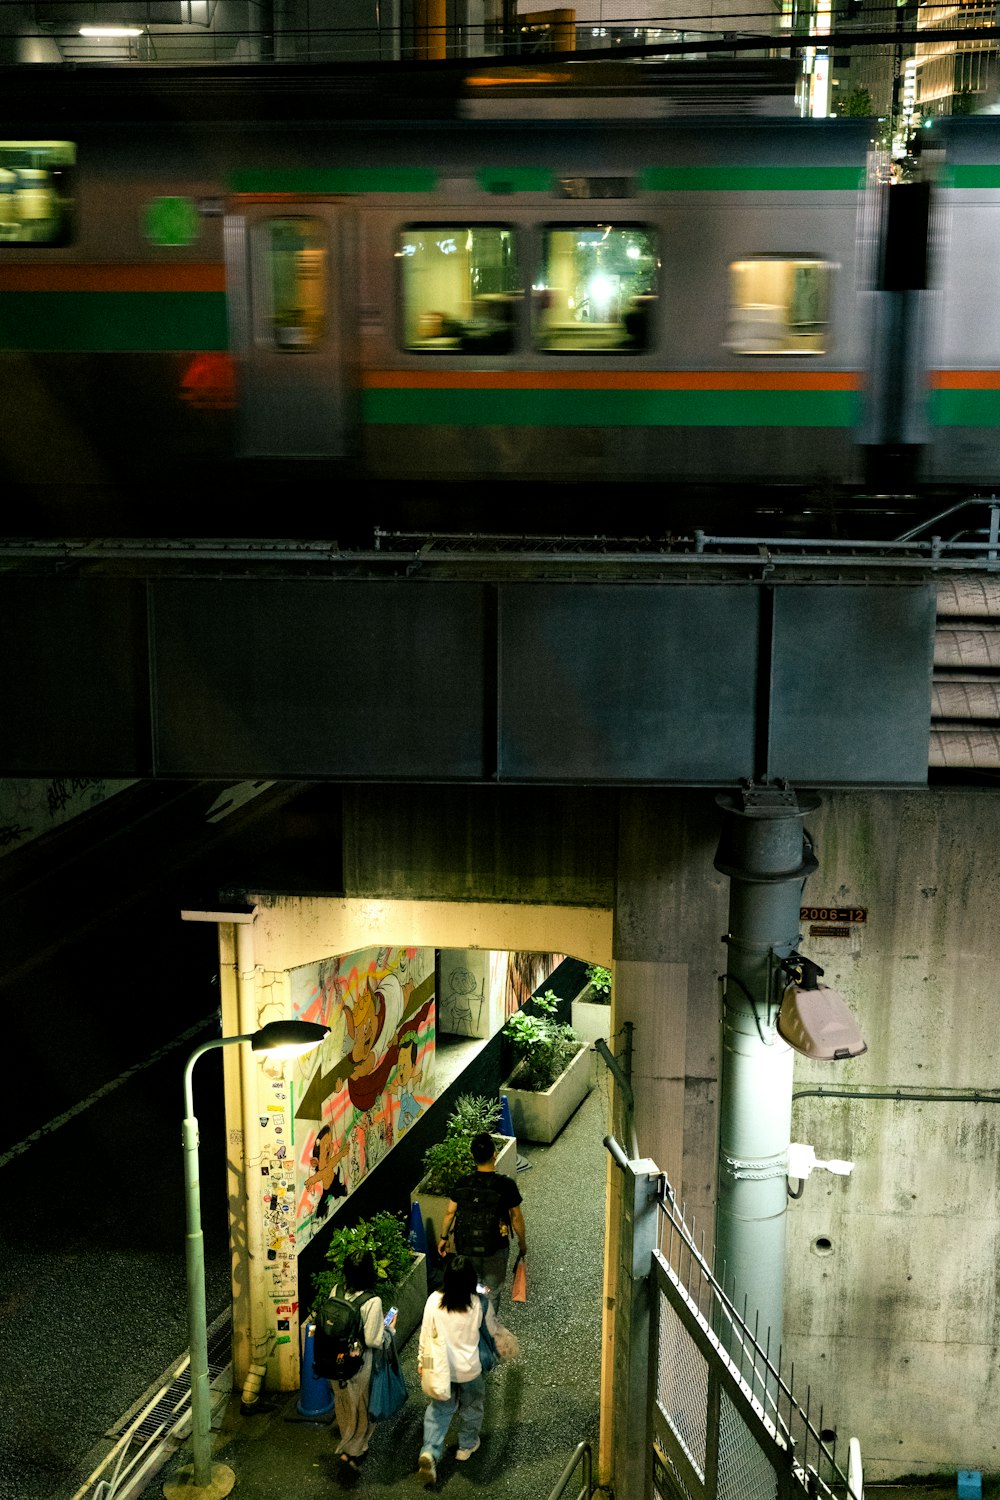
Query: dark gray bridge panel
<point>851,684</point>
<point>74,687</point>
<point>434,679</point>
<point>621,683</point>
<point>350,679</point>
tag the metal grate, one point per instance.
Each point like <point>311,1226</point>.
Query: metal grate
<point>682,1385</point>
<point>726,1423</point>
<point>745,1473</point>
<point>175,1396</point>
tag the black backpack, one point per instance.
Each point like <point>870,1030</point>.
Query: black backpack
<point>338,1340</point>
<point>480,1217</point>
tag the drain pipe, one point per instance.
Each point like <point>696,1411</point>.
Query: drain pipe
<point>623,1078</point>
<point>767,855</point>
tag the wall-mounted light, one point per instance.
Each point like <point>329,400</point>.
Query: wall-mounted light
<point>111,31</point>
<point>802,1160</point>
<point>815,1020</point>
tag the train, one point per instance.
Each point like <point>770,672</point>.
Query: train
<point>546,297</point>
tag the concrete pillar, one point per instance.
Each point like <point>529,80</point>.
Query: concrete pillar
<point>767,857</point>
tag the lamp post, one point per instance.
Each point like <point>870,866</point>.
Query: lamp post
<point>203,1478</point>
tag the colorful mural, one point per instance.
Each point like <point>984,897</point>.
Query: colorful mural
<point>518,975</point>
<point>371,1078</point>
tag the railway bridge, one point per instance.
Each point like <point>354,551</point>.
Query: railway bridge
<point>525,734</point>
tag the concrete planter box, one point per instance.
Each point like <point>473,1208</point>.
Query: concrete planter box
<point>540,1117</point>
<point>433,1205</point>
<point>591,1021</point>
<point>409,1297</point>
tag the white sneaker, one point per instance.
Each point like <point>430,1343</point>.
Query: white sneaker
<point>426,1467</point>
<point>463,1453</point>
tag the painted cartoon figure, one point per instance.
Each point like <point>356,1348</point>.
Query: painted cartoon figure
<point>325,1160</point>
<point>407,1074</point>
<point>368,1016</point>
<point>376,1141</point>
<point>365,1025</point>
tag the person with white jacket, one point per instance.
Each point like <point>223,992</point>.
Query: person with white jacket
<point>454,1315</point>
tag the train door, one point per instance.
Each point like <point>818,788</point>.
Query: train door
<point>290,327</point>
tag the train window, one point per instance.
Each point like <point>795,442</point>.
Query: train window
<point>296,276</point>
<point>460,288</point>
<point>779,305</point>
<point>597,289</point>
<point>36,197</point>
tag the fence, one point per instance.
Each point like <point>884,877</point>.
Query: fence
<point>724,1419</point>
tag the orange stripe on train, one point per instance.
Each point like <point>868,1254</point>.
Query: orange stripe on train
<point>612,380</point>
<point>965,380</point>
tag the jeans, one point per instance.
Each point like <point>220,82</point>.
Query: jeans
<point>492,1272</point>
<point>469,1397</point>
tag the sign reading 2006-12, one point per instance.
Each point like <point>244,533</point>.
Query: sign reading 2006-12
<point>833,914</point>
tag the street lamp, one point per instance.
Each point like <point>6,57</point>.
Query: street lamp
<point>203,1478</point>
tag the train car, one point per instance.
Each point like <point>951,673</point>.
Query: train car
<point>349,296</point>
<point>959,314</point>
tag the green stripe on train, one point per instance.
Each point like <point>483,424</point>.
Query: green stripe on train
<point>575,408</point>
<point>113,321</point>
<point>965,408</point>
<point>751,179</point>
<point>502,180</point>
<point>972,177</point>
<point>334,180</point>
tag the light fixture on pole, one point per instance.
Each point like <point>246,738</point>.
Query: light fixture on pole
<point>203,1479</point>
<point>814,1019</point>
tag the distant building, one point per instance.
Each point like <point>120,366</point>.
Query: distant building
<point>955,77</point>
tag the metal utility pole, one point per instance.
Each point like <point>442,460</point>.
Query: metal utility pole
<point>767,855</point>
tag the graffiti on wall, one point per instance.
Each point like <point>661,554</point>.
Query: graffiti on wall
<point>518,975</point>
<point>29,808</point>
<point>371,1078</point>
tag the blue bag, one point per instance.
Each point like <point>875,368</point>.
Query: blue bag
<point>387,1392</point>
<point>488,1356</point>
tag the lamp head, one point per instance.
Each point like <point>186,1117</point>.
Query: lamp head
<point>818,1023</point>
<point>288,1038</point>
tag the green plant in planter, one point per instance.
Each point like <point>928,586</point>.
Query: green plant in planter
<point>448,1160</point>
<point>473,1114</point>
<point>386,1236</point>
<point>543,1046</point>
<point>599,980</point>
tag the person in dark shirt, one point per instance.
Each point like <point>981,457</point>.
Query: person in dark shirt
<point>491,1259</point>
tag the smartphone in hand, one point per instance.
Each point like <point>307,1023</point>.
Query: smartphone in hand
<point>390,1316</point>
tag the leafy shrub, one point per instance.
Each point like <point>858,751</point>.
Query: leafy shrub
<point>386,1236</point>
<point>542,1045</point>
<point>445,1162</point>
<point>448,1160</point>
<point>473,1114</point>
<point>599,979</point>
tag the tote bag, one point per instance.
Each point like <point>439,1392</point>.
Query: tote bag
<point>387,1392</point>
<point>488,1356</point>
<point>435,1372</point>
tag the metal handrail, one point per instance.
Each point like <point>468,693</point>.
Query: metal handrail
<point>581,1451</point>
<point>806,1440</point>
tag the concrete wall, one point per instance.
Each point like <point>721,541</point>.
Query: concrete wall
<point>31,808</point>
<point>891,1303</point>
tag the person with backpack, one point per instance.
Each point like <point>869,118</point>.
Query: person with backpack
<point>485,1208</point>
<point>349,1325</point>
<point>450,1346</point>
